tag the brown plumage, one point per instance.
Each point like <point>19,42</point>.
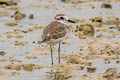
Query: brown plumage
<point>54,30</point>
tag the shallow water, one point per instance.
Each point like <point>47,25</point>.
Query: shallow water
<point>43,16</point>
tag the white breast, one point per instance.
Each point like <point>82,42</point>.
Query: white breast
<point>55,41</point>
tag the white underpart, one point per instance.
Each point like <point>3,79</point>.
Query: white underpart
<point>55,41</point>
<point>48,34</point>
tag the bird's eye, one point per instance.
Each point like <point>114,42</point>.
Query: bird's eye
<point>61,18</point>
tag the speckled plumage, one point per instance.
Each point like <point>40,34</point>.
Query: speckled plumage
<point>53,31</point>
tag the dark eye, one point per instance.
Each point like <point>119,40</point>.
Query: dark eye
<point>61,18</point>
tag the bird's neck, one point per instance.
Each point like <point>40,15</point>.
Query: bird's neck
<point>59,21</point>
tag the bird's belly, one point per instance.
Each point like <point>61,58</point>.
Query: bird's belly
<point>55,41</point>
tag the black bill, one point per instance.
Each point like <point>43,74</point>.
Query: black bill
<point>71,21</point>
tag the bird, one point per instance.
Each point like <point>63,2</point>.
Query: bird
<point>55,32</point>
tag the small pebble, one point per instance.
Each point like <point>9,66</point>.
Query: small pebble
<point>31,16</point>
<point>2,53</point>
<point>106,5</point>
<point>91,69</point>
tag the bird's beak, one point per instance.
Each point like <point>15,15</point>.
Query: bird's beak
<point>71,21</point>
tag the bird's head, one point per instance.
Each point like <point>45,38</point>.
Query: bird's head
<point>63,18</point>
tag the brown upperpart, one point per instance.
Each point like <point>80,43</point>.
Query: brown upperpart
<point>54,30</point>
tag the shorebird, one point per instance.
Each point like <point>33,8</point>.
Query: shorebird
<point>55,32</point>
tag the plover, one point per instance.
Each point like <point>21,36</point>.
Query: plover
<point>55,32</point>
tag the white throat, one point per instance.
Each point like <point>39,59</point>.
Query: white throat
<point>63,22</point>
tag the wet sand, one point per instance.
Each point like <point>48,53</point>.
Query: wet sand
<point>86,53</point>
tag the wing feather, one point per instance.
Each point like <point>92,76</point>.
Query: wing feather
<point>54,30</point>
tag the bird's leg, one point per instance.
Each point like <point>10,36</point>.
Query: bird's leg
<point>59,52</point>
<point>51,53</point>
